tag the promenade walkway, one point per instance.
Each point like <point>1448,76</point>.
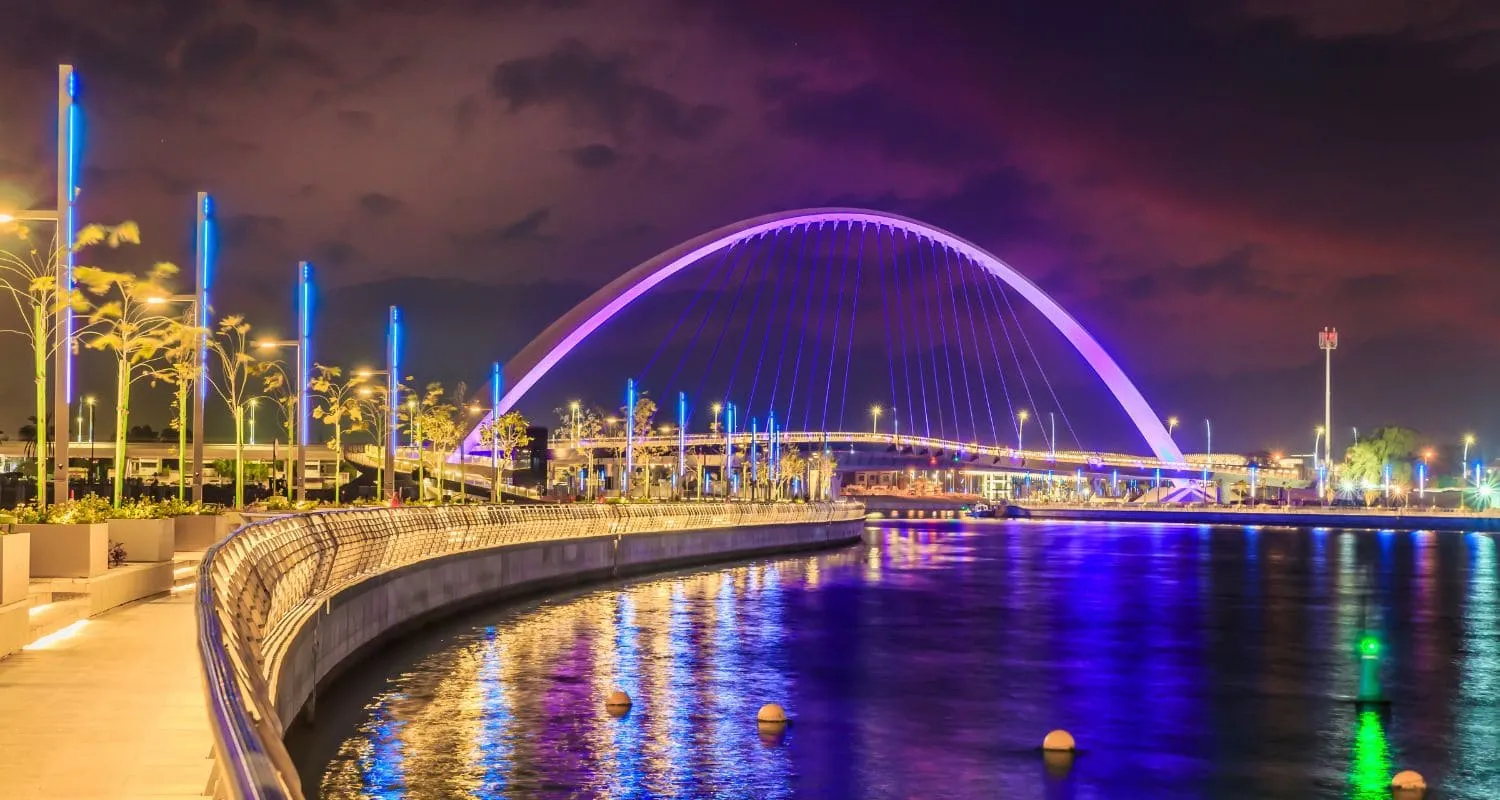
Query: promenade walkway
<point>111,708</point>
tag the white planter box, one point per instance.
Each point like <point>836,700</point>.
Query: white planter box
<point>201,531</point>
<point>143,539</point>
<point>68,551</point>
<point>15,567</point>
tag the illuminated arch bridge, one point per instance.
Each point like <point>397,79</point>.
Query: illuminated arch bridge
<point>966,300</point>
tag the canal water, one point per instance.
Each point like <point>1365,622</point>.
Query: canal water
<point>1189,662</point>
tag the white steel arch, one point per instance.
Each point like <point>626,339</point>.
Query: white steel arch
<point>548,348</point>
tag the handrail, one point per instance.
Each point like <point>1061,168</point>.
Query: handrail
<point>259,585</point>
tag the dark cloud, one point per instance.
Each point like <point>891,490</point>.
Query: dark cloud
<point>290,52</point>
<point>594,156</point>
<point>599,91</point>
<point>876,116</point>
<point>219,48</point>
<point>376,204</point>
<point>356,121</point>
<point>250,230</point>
<point>334,253</point>
<point>1234,274</point>
<point>465,116</point>
<point>526,229</point>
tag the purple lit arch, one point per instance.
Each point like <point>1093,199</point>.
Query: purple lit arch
<point>547,349</point>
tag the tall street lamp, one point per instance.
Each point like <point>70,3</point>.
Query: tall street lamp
<point>1464,484</point>
<point>716,408</point>
<point>574,407</point>
<point>206,249</point>
<point>303,347</point>
<point>254,401</point>
<point>875,419</point>
<point>1208,464</point>
<point>1021,418</point>
<point>89,401</point>
<point>1328,341</point>
<point>1171,425</point>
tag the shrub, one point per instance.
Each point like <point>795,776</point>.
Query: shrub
<point>116,554</point>
<point>84,511</point>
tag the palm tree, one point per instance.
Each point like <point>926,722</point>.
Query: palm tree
<point>338,406</point>
<point>237,368</point>
<point>127,324</point>
<point>27,275</point>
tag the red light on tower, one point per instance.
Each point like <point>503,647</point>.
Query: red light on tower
<point>1328,339</point>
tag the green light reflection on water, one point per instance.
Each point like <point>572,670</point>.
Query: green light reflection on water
<point>1370,763</point>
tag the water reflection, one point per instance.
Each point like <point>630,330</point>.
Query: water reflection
<point>1189,662</point>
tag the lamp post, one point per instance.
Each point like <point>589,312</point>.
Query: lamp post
<point>497,381</point>
<point>1463,484</point>
<point>90,402</point>
<point>203,273</point>
<point>574,407</point>
<point>254,401</point>
<point>1021,418</point>
<point>1171,425</point>
<point>1328,341</point>
<point>1208,463</point>
<point>875,419</point>
<point>463,478</point>
<point>303,347</point>
<point>716,408</point>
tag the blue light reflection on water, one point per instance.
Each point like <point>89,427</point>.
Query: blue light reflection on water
<point>1190,662</point>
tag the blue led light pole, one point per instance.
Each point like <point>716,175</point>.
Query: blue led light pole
<point>754,450</point>
<point>681,443</point>
<point>497,385</point>
<point>629,437</point>
<point>728,450</point>
<point>392,399</point>
<point>304,361</point>
<point>69,151</point>
<point>774,467</point>
<point>202,280</point>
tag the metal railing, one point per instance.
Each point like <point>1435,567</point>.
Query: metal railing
<point>259,585</point>
<point>1218,463</point>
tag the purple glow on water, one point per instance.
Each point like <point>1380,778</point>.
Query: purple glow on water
<point>1189,661</point>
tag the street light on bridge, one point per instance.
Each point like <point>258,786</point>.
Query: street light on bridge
<point>1464,484</point>
<point>716,408</point>
<point>1171,425</point>
<point>875,419</point>
<point>1021,416</point>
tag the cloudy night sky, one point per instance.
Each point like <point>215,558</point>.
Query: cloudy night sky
<point>1203,183</point>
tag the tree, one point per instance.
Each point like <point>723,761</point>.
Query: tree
<point>1365,460</point>
<point>588,424</point>
<point>180,371</point>
<point>281,390</point>
<point>645,415</point>
<point>237,367</point>
<point>27,433</point>
<point>374,403</point>
<point>413,414</point>
<point>28,276</point>
<point>126,324</point>
<point>337,405</point>
<point>505,436</point>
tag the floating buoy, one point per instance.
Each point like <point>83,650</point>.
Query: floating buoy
<point>771,714</point>
<point>1408,780</point>
<point>617,701</point>
<point>1059,741</point>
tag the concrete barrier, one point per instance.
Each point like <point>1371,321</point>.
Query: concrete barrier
<point>283,604</point>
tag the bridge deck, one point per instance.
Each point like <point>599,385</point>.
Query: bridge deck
<point>114,710</point>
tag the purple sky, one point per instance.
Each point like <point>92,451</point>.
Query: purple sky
<point>1203,183</point>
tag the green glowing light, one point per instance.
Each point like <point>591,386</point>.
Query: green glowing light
<point>1369,646</point>
<point>1370,765</point>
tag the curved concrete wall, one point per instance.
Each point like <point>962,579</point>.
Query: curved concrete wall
<point>375,610</point>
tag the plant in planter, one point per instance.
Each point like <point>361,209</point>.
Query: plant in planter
<point>116,555</point>
<point>143,529</point>
<point>68,540</point>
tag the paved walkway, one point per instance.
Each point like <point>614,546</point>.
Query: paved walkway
<point>112,709</point>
